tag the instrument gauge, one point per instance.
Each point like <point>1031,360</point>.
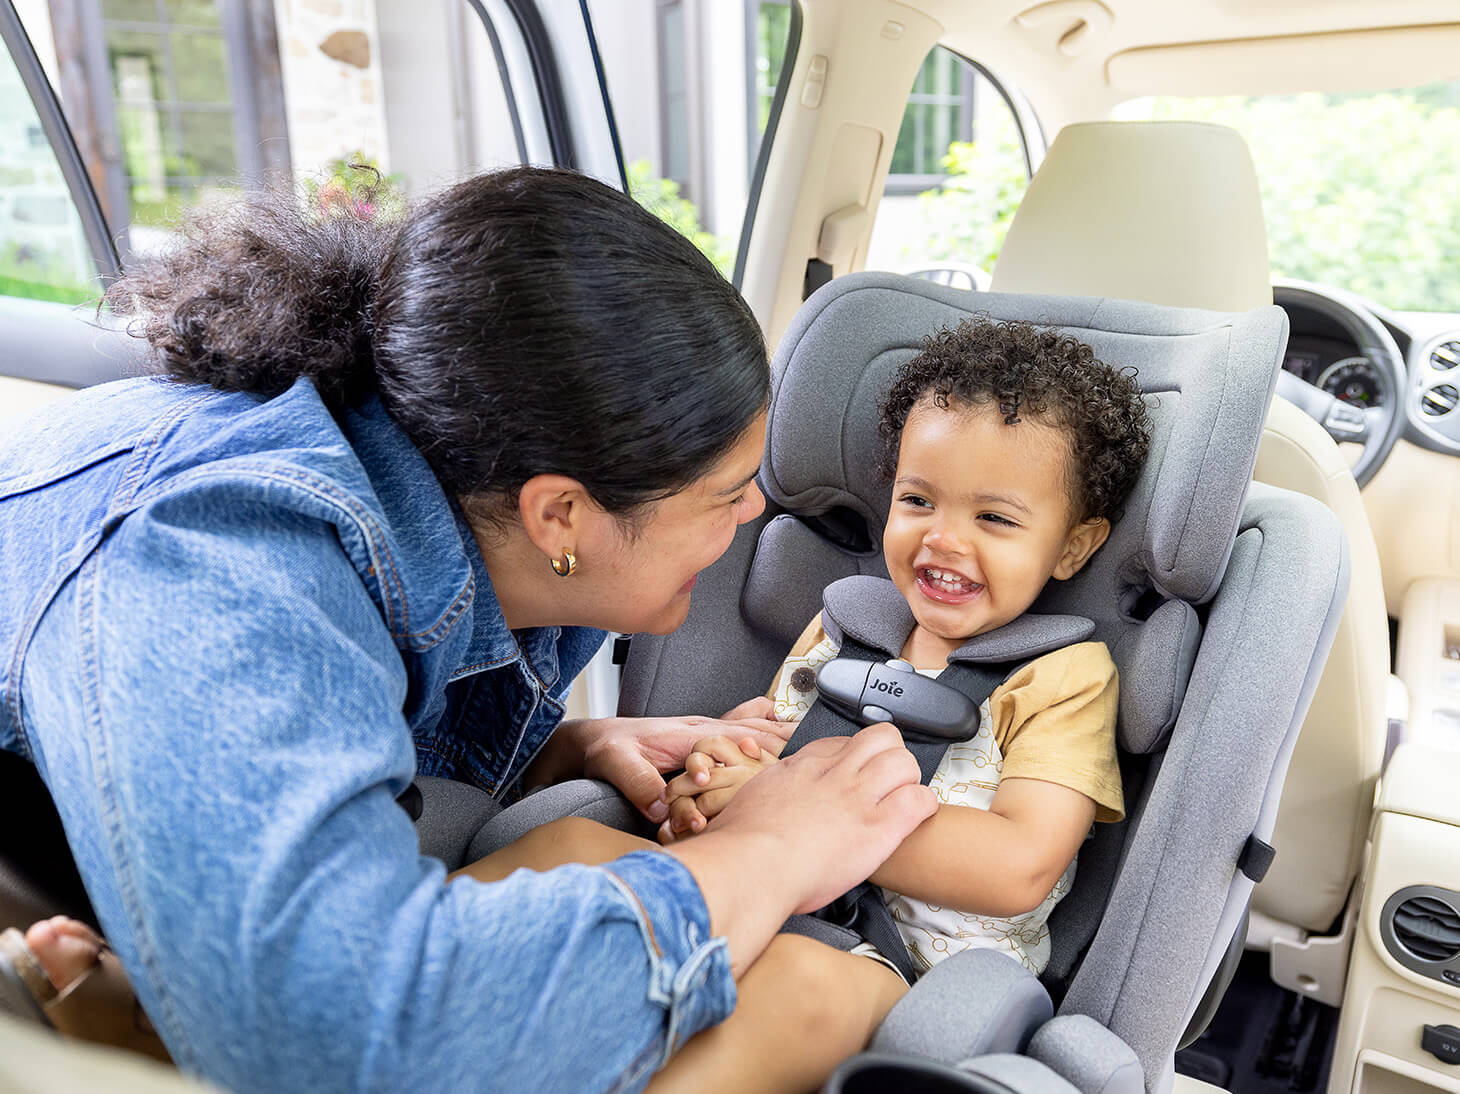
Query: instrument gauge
<point>1354,380</point>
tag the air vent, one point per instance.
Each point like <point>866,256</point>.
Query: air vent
<point>1445,356</point>
<point>1428,927</point>
<point>1439,400</point>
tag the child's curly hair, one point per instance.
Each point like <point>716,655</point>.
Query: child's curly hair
<point>1046,375</point>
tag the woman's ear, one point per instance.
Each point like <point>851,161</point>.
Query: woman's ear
<point>554,511</point>
<point>1083,541</point>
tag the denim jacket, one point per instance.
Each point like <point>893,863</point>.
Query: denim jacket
<point>231,630</point>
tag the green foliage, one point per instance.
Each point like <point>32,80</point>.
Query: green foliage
<point>661,197</point>
<point>966,219</point>
<point>355,186</point>
<point>40,275</point>
<point>1360,191</point>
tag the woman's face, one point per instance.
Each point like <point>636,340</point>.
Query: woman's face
<point>639,580</point>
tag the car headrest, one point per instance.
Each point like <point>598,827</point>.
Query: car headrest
<point>1168,212</point>
<point>1209,377</point>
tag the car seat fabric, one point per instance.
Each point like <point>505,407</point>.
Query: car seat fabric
<point>1212,605</point>
<point>819,477</point>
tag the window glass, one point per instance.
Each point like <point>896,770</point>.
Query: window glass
<point>168,72</point>
<point>772,33</point>
<point>675,94</point>
<point>939,112</point>
<point>958,173</point>
<point>695,173</point>
<point>43,249</point>
<point>1359,190</point>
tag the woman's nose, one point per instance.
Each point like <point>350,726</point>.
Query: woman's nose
<point>754,503</point>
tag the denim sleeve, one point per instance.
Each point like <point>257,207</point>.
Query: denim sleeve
<point>215,703</point>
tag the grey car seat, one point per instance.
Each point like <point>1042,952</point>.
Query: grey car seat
<point>1218,605</point>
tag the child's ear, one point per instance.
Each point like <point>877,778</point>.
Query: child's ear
<point>1083,541</point>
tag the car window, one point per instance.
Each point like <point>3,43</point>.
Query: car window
<point>1358,189</point>
<point>959,170</point>
<point>175,104</point>
<point>692,122</point>
<point>44,254</point>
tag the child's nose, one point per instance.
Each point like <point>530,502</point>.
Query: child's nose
<point>946,538</point>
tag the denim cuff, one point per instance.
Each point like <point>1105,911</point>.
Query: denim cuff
<point>689,968</point>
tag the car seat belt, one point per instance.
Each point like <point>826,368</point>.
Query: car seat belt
<point>862,909</point>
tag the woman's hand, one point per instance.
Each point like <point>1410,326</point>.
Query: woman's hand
<point>807,829</point>
<point>716,769</point>
<point>632,753</point>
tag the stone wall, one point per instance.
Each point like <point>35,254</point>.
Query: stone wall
<point>330,54</point>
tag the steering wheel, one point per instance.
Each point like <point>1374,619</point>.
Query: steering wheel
<point>1375,427</point>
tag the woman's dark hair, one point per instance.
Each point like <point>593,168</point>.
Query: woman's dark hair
<point>523,322</point>
<point>1048,376</point>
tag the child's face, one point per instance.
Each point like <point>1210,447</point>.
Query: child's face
<point>981,518</point>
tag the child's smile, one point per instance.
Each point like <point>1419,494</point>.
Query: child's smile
<point>946,586</point>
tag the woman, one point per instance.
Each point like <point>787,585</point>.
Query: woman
<point>402,477</point>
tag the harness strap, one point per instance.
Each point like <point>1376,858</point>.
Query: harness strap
<point>862,909</point>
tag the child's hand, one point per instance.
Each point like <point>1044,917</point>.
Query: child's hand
<point>713,773</point>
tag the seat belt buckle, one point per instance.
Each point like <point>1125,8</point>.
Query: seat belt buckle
<point>866,692</point>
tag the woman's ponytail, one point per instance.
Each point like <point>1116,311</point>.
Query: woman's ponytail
<point>258,294</point>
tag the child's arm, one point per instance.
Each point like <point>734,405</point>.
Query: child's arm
<point>1001,862</point>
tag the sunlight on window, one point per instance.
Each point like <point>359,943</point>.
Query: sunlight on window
<point>43,250</point>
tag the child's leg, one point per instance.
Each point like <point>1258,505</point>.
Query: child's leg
<point>803,1008</point>
<point>571,839</point>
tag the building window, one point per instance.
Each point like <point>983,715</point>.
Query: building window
<point>175,117</point>
<point>169,100</point>
<point>939,111</point>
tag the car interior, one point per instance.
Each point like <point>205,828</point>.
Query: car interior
<point>1343,968</point>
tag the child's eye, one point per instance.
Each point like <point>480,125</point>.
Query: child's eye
<point>738,498</point>
<point>915,501</point>
<point>998,518</point>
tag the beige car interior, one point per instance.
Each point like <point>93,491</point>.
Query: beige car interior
<point>1120,209</point>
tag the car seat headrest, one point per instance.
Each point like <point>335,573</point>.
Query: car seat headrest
<point>1208,376</point>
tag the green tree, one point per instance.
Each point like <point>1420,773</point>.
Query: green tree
<point>661,197</point>
<point>967,217</point>
<point>1360,191</point>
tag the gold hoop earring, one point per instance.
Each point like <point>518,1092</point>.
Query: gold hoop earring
<point>565,566</point>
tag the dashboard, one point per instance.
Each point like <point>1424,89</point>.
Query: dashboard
<point>1336,366</point>
<point>1422,387</point>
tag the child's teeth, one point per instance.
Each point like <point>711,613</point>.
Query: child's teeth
<point>949,582</point>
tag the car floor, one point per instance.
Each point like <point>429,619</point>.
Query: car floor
<point>1264,1039</point>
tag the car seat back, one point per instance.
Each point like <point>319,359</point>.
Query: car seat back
<point>1158,898</point>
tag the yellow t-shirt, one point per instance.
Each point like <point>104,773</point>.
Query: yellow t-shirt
<point>1053,719</point>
